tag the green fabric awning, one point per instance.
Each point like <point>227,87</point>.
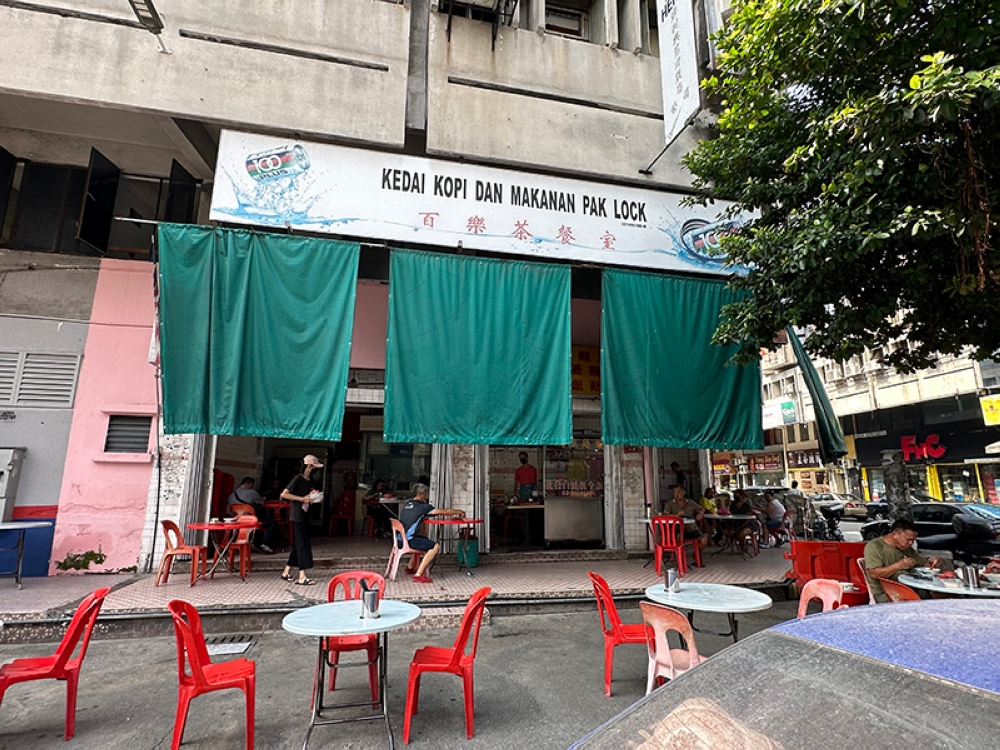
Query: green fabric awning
<point>831,437</point>
<point>478,351</point>
<point>255,332</point>
<point>662,381</point>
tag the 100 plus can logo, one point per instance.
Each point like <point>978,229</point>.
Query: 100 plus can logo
<point>280,162</point>
<point>702,238</point>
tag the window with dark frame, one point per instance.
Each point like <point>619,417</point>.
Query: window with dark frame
<point>128,433</point>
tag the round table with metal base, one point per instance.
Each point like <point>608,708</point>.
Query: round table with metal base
<point>957,589</point>
<point>462,540</point>
<point>343,619</point>
<point>712,597</point>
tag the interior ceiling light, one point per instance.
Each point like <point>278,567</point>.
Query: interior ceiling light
<point>150,20</point>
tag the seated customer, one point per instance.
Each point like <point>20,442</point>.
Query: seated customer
<point>411,515</point>
<point>775,522</point>
<point>740,506</point>
<point>380,515</point>
<point>888,556</point>
<point>247,495</point>
<point>690,512</point>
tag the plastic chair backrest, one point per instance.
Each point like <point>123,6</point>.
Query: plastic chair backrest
<point>173,533</point>
<point>399,540</point>
<point>668,531</point>
<point>350,583</point>
<point>190,640</point>
<point>831,593</point>
<point>868,581</point>
<point>898,592</point>
<point>79,630</point>
<point>344,503</point>
<point>661,620</point>
<point>472,618</point>
<point>611,622</point>
<point>243,535</point>
<point>242,509</point>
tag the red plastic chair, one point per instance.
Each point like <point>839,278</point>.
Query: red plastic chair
<point>343,510</point>
<point>830,592</point>
<point>205,676</point>
<point>243,545</point>
<point>898,592</point>
<point>177,548</point>
<point>61,665</point>
<point>350,582</point>
<point>400,548</point>
<point>668,535</point>
<point>615,632</point>
<point>452,660</point>
<point>666,663</point>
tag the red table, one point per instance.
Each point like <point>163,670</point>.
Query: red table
<point>224,534</point>
<point>446,521</point>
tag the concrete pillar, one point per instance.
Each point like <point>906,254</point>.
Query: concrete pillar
<point>630,38</point>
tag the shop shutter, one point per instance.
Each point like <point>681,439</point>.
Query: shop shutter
<point>127,434</point>
<point>255,332</point>
<point>663,383</point>
<point>478,351</point>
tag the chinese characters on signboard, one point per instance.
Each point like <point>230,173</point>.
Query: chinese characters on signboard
<point>803,459</point>
<point>586,371</point>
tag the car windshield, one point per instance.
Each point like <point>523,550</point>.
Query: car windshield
<point>989,512</point>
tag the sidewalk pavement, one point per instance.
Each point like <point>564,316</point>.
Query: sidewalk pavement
<point>539,684</point>
<point>514,581</point>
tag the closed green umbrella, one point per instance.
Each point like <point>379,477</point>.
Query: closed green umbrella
<point>831,437</point>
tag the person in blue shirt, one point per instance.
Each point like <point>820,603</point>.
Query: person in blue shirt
<point>412,515</point>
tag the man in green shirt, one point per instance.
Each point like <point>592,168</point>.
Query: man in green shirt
<point>889,555</point>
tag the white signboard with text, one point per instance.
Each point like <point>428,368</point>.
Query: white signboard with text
<point>272,182</point>
<point>678,64</point>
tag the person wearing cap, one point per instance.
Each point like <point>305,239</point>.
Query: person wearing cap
<point>300,493</point>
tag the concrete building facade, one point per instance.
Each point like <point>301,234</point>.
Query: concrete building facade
<point>565,89</point>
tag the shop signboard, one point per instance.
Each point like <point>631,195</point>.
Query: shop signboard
<point>586,366</point>
<point>268,181</point>
<point>765,462</point>
<point>804,459</point>
<point>678,65</point>
<point>991,409</point>
<point>722,464</point>
<point>777,412</point>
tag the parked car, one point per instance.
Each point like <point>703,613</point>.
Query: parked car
<point>970,531</point>
<point>878,510</point>
<point>854,507</point>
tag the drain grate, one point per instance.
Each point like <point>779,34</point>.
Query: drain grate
<point>224,645</point>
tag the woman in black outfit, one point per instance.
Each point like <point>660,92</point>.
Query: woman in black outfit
<point>298,492</point>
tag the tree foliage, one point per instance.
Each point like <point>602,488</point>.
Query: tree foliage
<point>866,136</point>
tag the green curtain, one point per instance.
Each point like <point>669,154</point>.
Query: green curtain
<point>662,382</point>
<point>255,332</point>
<point>831,437</point>
<point>478,351</point>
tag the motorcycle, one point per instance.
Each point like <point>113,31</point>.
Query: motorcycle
<point>827,528</point>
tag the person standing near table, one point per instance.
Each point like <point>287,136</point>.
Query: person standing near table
<point>411,515</point>
<point>299,492</point>
<point>525,478</point>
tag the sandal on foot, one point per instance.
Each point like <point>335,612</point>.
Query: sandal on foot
<point>306,582</point>
<point>285,578</point>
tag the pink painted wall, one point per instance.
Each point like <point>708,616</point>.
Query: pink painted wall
<point>371,317</point>
<point>103,498</point>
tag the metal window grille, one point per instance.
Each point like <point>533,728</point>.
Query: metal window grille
<point>38,379</point>
<point>127,434</point>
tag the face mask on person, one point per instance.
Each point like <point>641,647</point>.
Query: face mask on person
<point>524,460</point>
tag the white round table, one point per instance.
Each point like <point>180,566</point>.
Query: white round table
<point>20,527</point>
<point>343,618</point>
<point>936,584</point>
<point>712,597</point>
